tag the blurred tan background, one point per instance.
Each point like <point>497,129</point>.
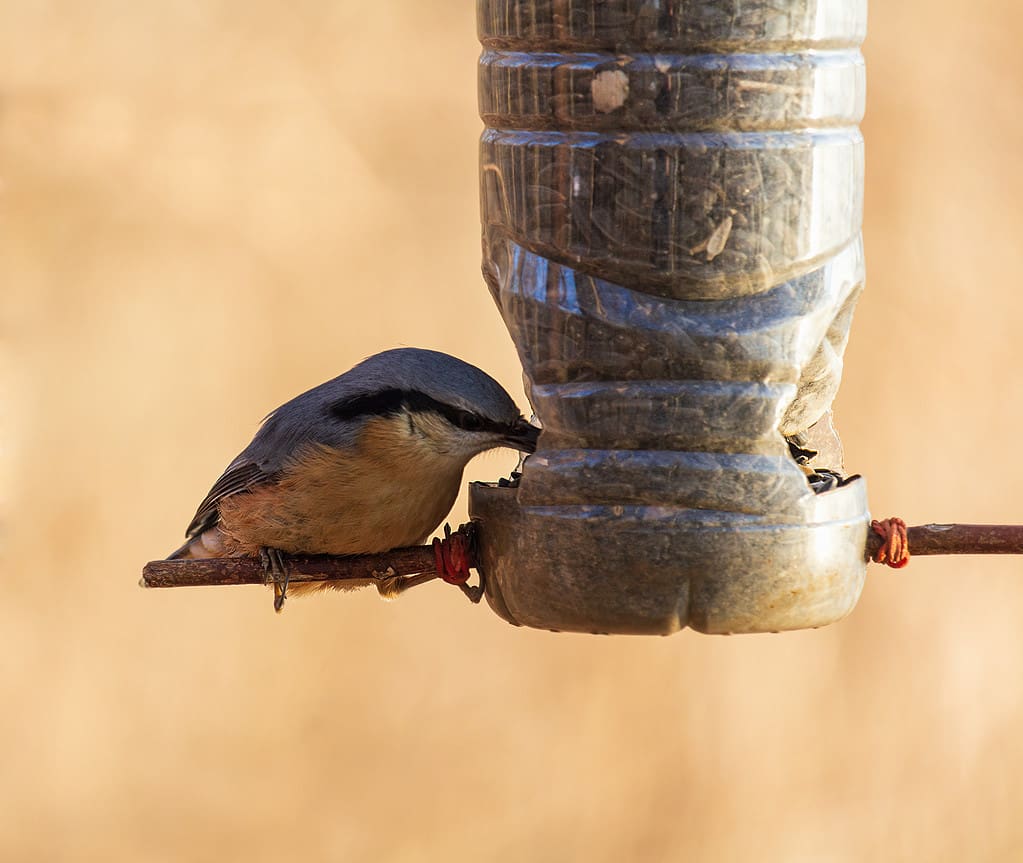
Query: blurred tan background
<point>210,206</point>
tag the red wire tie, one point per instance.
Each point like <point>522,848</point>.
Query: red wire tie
<point>452,556</point>
<point>894,549</point>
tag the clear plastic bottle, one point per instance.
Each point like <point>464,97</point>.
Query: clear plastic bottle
<point>671,204</point>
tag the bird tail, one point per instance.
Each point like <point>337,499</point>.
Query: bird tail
<point>183,553</point>
<point>207,543</point>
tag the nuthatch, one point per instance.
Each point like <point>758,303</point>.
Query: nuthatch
<point>366,462</point>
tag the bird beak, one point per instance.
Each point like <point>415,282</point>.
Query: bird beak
<point>523,436</point>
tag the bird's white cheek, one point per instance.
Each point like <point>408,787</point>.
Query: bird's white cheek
<point>436,453</point>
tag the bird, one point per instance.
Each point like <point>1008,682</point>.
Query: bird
<point>366,462</point>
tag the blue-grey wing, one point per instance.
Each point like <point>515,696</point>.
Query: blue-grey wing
<point>237,478</point>
<point>302,421</point>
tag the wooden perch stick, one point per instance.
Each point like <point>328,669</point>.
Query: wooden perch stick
<point>416,559</point>
<point>419,559</point>
<point>958,539</point>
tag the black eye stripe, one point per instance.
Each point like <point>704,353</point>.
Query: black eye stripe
<point>382,403</point>
<point>394,401</point>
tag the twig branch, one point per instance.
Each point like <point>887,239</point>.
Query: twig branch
<point>958,539</point>
<point>419,559</point>
<point>301,568</point>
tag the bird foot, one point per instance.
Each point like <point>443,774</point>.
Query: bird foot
<point>275,571</point>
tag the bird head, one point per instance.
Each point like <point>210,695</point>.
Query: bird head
<point>434,401</point>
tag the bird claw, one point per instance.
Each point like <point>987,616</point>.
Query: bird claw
<point>275,571</point>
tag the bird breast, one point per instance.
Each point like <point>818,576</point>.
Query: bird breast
<point>386,491</point>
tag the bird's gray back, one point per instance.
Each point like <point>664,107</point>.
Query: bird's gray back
<point>308,418</point>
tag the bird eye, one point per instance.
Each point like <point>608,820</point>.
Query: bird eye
<point>469,421</point>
